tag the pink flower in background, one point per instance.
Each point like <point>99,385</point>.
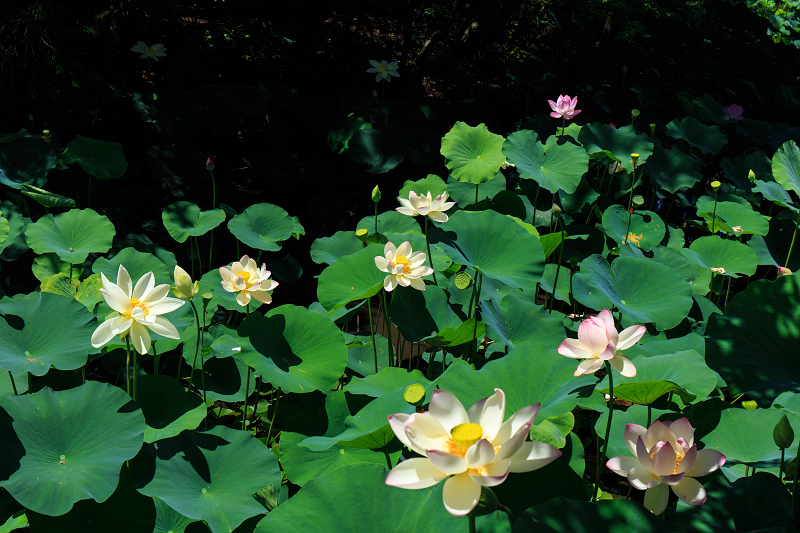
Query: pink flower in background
<point>732,112</point>
<point>564,107</point>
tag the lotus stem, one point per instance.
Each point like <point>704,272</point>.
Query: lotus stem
<point>794,486</point>
<point>475,318</point>
<point>274,413</point>
<point>791,246</point>
<point>714,214</point>
<point>128,366</point>
<point>428,244</point>
<point>388,459</point>
<point>388,323</point>
<point>246,388</point>
<point>13,385</point>
<point>783,460</point>
<point>558,265</point>
<point>630,204</point>
<point>70,271</point>
<point>727,292</point>
<point>471,519</point>
<point>535,199</point>
<point>602,455</point>
<point>203,367</point>
<point>476,192</point>
<point>372,333</point>
<point>563,124</point>
<point>197,344</point>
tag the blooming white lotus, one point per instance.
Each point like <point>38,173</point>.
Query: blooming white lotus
<point>147,52</point>
<point>425,205</point>
<point>666,456</point>
<point>383,70</point>
<point>475,447</point>
<point>245,278</point>
<point>598,342</point>
<point>403,266</point>
<point>138,309</point>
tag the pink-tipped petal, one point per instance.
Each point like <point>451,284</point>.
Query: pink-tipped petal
<point>682,428</point>
<point>690,491</point>
<point>588,366</point>
<point>707,461</point>
<point>512,426</point>
<point>573,348</point>
<point>659,431</point>
<point>397,423</point>
<point>446,408</point>
<point>489,413</point>
<point>622,464</point>
<point>533,456</point>
<point>630,336</point>
<point>632,434</point>
<point>479,454</point>
<point>623,365</point>
<point>608,319</point>
<point>493,474</point>
<point>593,336</point>
<point>418,473</point>
<point>665,460</point>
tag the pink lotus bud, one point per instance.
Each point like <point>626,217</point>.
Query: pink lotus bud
<point>209,164</point>
<point>732,112</point>
<point>783,271</point>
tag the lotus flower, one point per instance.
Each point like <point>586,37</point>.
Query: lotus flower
<point>425,206</point>
<point>666,456</point>
<point>404,266</point>
<point>246,279</point>
<point>564,107</point>
<point>598,342</point>
<point>732,112</point>
<point>137,309</point>
<point>383,70</point>
<point>468,448</point>
<point>155,51</point>
<point>184,288</point>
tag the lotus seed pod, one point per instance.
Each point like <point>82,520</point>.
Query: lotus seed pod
<point>635,156</point>
<point>716,185</point>
<point>463,280</point>
<point>362,235</point>
<point>638,200</point>
<point>634,112</point>
<point>414,394</point>
<point>750,405</point>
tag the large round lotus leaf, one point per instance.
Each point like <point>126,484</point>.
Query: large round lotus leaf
<point>329,249</point>
<point>27,159</point>
<point>5,230</point>
<point>673,169</point>
<point>381,150</point>
<point>299,350</point>
<point>759,502</point>
<point>728,215</point>
<point>472,154</point>
<point>667,256</point>
<point>463,193</point>
<point>774,192</point>
<point>339,136</point>
<point>709,139</point>
<point>715,252</point>
<point>102,159</point>
<point>738,169</point>
<point>390,222</point>
<point>136,263</point>
<point>263,226</point>
<point>225,379</point>
<point>427,316</point>
<point>753,345</point>
<point>490,242</point>
<point>786,166</point>
<point>168,520</point>
<point>15,222</point>
<point>518,320</point>
<point>43,331</point>
<point>645,231</point>
<point>361,357</point>
<point>71,235</point>
<point>6,386</point>
<point>184,220</point>
<point>62,447</point>
<point>204,475</point>
<point>684,373</point>
<point>48,265</point>
<point>326,505</point>
<point>352,277</point>
<point>432,183</point>
<point>387,380</point>
<point>746,436</point>
<point>563,515</point>
<point>556,165</point>
<point>168,408</point>
<point>616,143</point>
<point>126,511</point>
<point>644,290</point>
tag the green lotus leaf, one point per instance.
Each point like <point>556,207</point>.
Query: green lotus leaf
<point>490,242</point>
<point>390,223</point>
<point>463,193</point>
<point>352,277</point>
<point>387,380</point>
<point>644,290</point>
<point>325,505</point>
<point>168,520</point>
<point>715,252</point>
<point>709,139</point>
<point>752,345</point>
<point>15,220</point>
<point>340,136</point>
<point>666,256</point>
<point>615,143</point>
<point>7,388</point>
<point>46,198</point>
<point>549,277</point>
<point>102,159</point>
<point>168,409</point>
<point>89,292</point>
<point>48,265</point>
<point>225,379</point>
<point>774,192</point>
<point>17,520</point>
<point>556,165</point>
<point>184,220</point>
<point>472,154</point>
<point>646,228</point>
<point>786,166</point>
<point>432,183</point>
<point>519,320</point>
<point>28,343</point>
<point>738,169</point>
<point>728,215</point>
<point>136,263</point>
<point>673,169</point>
<point>684,373</point>
<point>329,249</point>
<point>298,350</point>
<point>361,357</point>
<point>25,159</point>
<point>426,316</point>
<point>381,150</point>
<point>201,475</point>
<point>71,235</point>
<point>553,430</point>
<point>66,446</point>
<point>264,226</point>
<point>126,511</point>
<point>60,284</point>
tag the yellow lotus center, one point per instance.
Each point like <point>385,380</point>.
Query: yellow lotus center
<point>401,260</point>
<point>136,303</point>
<point>465,435</point>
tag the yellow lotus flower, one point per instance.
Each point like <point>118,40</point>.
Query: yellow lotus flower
<point>184,288</point>
<point>245,278</point>
<point>404,267</point>
<point>138,309</point>
<point>155,51</point>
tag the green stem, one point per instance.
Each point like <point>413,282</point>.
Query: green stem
<point>475,317</point>
<point>794,486</point>
<point>727,292</point>
<point>246,389</point>
<point>471,516</point>
<point>476,193</point>
<point>388,324</point>
<point>70,271</point>
<point>203,369</point>
<point>156,360</point>
<point>783,460</point>
<point>630,203</point>
<point>13,385</point>
<point>563,124</point>
<point>388,459</point>
<point>128,365</point>
<point>535,199</point>
<point>199,261</point>
<point>791,246</point>
<point>372,333</point>
<point>274,414</point>
<point>602,455</point>
<point>428,245</point>
<point>197,344</point>
<point>558,265</point>
<point>714,213</point>
<point>649,414</point>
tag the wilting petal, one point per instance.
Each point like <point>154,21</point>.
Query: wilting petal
<point>446,408</point>
<point>707,461</point>
<point>163,327</point>
<point>479,454</point>
<point>656,498</point>
<point>622,464</point>
<point>630,336</point>
<point>461,494</point>
<point>418,473</point>
<point>632,434</point>
<point>532,456</point>
<point>140,338</point>
<point>690,491</point>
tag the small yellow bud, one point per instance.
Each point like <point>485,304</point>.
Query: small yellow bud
<point>751,175</point>
<point>184,288</point>
<point>376,194</point>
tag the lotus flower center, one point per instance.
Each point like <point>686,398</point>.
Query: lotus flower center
<point>678,457</point>
<point>465,435</point>
<point>402,260</point>
<point>136,303</point>
<point>245,275</point>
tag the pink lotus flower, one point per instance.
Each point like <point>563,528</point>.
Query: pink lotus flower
<point>564,108</point>
<point>598,342</point>
<point>666,456</point>
<point>732,112</point>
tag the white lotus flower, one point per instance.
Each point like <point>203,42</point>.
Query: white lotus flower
<point>245,278</point>
<point>468,448</point>
<point>383,70</point>
<point>425,206</point>
<point>155,51</point>
<point>404,267</point>
<point>138,309</point>
<point>666,456</point>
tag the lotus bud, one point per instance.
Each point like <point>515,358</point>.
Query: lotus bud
<point>635,113</point>
<point>414,394</point>
<point>209,164</point>
<point>783,435</point>
<point>624,69</point>
<point>184,288</point>
<point>556,211</point>
<point>783,271</point>
<point>716,185</point>
<point>374,93</point>
<point>751,175</point>
<point>376,194</point>
<point>750,405</point>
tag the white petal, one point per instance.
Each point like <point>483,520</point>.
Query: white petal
<point>493,474</point>
<point>512,445</point>
<point>623,365</point>
<point>573,348</point>
<point>262,296</point>
<point>424,432</point>
<point>489,413</point>
<point>103,334</point>
<point>397,423</point>
<point>641,478</point>
<point>461,495</point>
<point>124,281</point>
<point>163,327</point>
<point>682,428</point>
<point>144,285</point>
<point>243,298</point>
<point>622,464</point>
<point>417,473</point>
<point>479,454</point>
<point>630,336</point>
<point>140,338</point>
<point>115,298</point>
<point>632,434</point>
<point>532,456</point>
<point>659,431</point>
<point>416,283</point>
<point>446,408</point>
<point>690,491</point>
<point>165,306</point>
<point>511,426</point>
<point>390,283</point>
<point>655,499</point>
<point>438,217</point>
<point>588,366</point>
<point>447,462</point>
<point>707,461</point>
<point>156,294</point>
<point>382,263</point>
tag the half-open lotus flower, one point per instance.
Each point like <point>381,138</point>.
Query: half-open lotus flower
<point>564,107</point>
<point>598,342</point>
<point>468,448</point>
<point>247,280</point>
<point>403,266</point>
<point>137,310</point>
<point>666,456</point>
<point>425,205</point>
<point>732,112</point>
